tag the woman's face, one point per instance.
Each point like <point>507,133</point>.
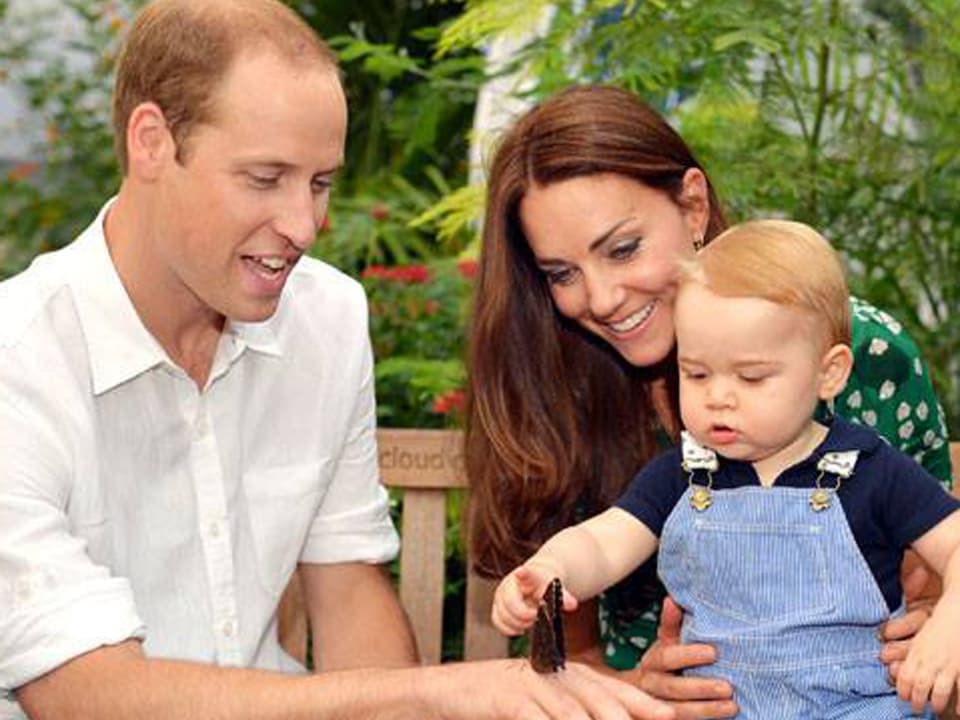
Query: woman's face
<point>609,247</point>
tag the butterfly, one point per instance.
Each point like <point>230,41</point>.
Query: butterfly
<point>547,650</point>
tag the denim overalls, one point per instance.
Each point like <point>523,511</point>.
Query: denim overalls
<point>783,593</point>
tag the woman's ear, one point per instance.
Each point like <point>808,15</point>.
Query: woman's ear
<point>835,369</point>
<point>149,141</point>
<point>695,201</point>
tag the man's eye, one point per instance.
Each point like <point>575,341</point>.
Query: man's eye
<point>321,185</point>
<point>263,182</point>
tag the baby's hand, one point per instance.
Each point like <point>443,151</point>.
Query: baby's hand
<point>518,597</point>
<point>932,667</point>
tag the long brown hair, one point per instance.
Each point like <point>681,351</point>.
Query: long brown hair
<point>557,421</point>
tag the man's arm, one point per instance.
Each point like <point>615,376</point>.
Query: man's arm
<point>356,617</point>
<point>117,683</point>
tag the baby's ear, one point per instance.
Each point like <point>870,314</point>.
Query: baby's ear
<point>835,369</point>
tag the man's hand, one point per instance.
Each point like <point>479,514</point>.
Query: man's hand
<point>693,698</point>
<point>511,690</point>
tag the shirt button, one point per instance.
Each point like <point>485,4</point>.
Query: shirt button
<point>227,628</point>
<point>214,529</point>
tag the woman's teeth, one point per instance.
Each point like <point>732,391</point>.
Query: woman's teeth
<point>634,320</point>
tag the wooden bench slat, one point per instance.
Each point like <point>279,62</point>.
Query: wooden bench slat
<point>422,567</point>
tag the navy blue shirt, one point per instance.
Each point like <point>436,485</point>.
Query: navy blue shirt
<point>889,501</point>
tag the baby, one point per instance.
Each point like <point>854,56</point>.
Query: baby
<point>780,537</point>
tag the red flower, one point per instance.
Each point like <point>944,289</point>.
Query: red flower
<point>380,211</point>
<point>451,401</point>
<point>22,171</point>
<point>467,268</point>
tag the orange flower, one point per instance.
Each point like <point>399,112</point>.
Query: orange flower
<point>22,171</point>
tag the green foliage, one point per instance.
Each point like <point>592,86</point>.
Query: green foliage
<point>417,319</point>
<point>45,204</point>
<point>832,113</point>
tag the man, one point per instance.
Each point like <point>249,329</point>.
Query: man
<point>187,413</point>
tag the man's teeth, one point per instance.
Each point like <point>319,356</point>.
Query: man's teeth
<point>272,263</point>
<point>631,322</point>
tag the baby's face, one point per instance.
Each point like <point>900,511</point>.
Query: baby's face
<point>750,374</point>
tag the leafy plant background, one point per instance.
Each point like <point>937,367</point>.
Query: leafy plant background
<point>839,114</point>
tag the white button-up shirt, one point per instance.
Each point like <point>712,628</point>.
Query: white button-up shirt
<point>132,504</point>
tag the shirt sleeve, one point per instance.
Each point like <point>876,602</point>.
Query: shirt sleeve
<point>890,390</point>
<point>654,491</point>
<point>912,501</point>
<point>353,523</point>
<point>57,603</point>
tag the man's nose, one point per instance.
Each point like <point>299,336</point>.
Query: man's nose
<point>299,217</point>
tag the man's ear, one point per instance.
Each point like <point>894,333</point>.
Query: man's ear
<point>835,369</point>
<point>150,144</point>
<point>695,201</point>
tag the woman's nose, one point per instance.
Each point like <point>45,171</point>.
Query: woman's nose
<point>604,295</point>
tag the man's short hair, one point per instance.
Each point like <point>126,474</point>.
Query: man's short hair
<point>785,262</point>
<point>179,51</point>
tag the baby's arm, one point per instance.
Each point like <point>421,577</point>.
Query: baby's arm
<point>932,667</point>
<point>587,558</point>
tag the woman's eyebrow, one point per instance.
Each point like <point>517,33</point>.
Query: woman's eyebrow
<point>606,235</point>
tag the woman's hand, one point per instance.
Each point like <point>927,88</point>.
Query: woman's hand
<point>921,588</point>
<point>692,698</point>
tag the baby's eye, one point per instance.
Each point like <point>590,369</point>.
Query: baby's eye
<point>694,374</point>
<point>753,379</point>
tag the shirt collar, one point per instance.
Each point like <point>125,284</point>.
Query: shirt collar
<point>259,337</point>
<point>118,344</point>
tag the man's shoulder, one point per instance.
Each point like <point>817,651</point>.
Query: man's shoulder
<point>28,297</point>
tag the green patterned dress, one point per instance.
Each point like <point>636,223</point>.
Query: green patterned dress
<point>889,390</point>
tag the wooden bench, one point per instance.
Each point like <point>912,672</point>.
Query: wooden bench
<point>426,464</point>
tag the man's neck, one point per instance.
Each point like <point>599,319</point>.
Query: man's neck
<point>187,329</point>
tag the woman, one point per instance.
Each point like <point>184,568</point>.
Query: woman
<point>592,201</point>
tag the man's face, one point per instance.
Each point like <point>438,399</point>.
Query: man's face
<point>253,187</point>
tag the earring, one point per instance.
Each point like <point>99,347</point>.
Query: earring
<point>698,242</point>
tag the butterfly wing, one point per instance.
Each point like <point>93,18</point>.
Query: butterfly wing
<point>547,648</point>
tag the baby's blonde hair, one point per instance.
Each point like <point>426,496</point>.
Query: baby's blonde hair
<point>785,262</point>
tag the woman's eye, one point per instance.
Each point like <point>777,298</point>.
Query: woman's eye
<point>625,250</point>
<point>560,276</point>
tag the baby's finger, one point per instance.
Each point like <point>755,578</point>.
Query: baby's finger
<point>528,582</point>
<point>940,693</point>
<point>919,694</point>
<point>570,603</point>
